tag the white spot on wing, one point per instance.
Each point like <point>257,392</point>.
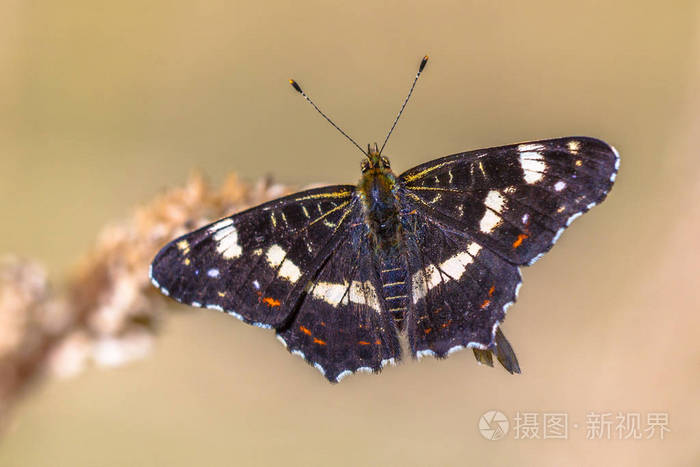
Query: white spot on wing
<point>574,146</point>
<point>473,249</point>
<point>364,293</point>
<point>617,163</point>
<point>220,225</point>
<point>517,288</point>
<point>154,281</point>
<point>329,292</point>
<point>423,281</point>
<point>456,265</point>
<point>533,165</point>
<point>388,361</point>
<point>320,368</point>
<point>335,294</point>
<point>424,353</point>
<point>235,315</point>
<point>289,271</point>
<point>573,218</point>
<point>559,185</point>
<point>495,201</point>
<point>453,267</point>
<point>342,375</point>
<point>276,257</point>
<point>494,204</point>
<point>530,147</point>
<point>557,235</point>
<point>535,259</point>
<point>213,272</point>
<point>226,238</point>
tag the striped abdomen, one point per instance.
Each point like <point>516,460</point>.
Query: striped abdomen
<point>394,277</point>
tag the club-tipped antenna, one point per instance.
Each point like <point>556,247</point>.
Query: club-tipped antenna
<point>298,89</point>
<point>415,80</point>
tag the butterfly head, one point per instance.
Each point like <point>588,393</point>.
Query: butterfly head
<point>374,161</point>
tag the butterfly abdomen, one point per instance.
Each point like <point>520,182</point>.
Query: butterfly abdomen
<point>394,277</point>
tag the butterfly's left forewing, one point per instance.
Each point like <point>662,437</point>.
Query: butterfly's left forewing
<point>515,200</point>
<point>255,265</point>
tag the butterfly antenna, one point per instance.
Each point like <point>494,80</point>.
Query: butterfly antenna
<point>298,89</point>
<point>415,80</point>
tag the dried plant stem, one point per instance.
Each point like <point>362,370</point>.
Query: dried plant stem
<point>108,312</point>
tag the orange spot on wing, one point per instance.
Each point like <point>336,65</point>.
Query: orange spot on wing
<point>319,341</point>
<point>271,302</point>
<point>444,325</point>
<point>519,240</point>
<point>363,343</point>
<point>412,212</point>
<point>427,331</point>
<point>485,304</point>
<point>305,330</point>
<point>492,290</point>
<point>377,342</point>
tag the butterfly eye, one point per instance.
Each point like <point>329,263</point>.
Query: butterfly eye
<point>365,165</point>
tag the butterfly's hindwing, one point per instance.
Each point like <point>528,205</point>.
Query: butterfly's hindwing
<point>342,325</point>
<point>254,265</point>
<point>459,291</point>
<point>516,200</point>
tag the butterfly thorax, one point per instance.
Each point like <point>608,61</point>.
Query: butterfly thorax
<point>381,205</point>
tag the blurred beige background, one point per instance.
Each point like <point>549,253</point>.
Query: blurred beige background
<point>106,104</point>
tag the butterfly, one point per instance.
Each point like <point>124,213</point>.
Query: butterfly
<point>433,253</point>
